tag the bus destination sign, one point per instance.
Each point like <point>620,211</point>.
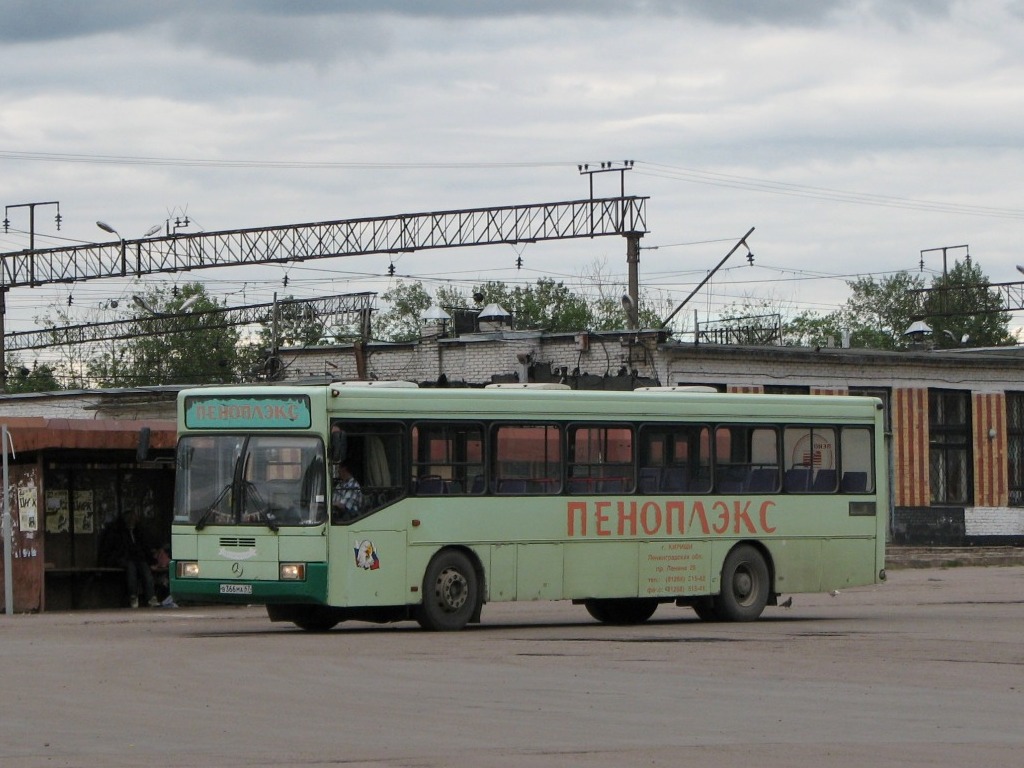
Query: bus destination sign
<point>251,412</point>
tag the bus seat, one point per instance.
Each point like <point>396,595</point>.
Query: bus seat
<point>650,478</point>
<point>701,482</point>
<point>579,485</point>
<point>614,485</point>
<point>798,479</point>
<point>824,481</point>
<point>763,480</point>
<point>516,485</point>
<point>477,486</point>
<point>673,479</point>
<point>731,479</point>
<point>855,482</point>
<point>429,485</point>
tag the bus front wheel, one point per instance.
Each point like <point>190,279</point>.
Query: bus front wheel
<point>745,585</point>
<point>450,593</point>
<point>627,610</point>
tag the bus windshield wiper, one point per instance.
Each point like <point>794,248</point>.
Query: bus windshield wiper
<point>201,522</point>
<point>260,506</point>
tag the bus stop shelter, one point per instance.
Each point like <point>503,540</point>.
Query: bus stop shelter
<point>69,480</point>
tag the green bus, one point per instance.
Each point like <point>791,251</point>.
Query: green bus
<point>383,501</point>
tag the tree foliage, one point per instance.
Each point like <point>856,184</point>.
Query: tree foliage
<point>401,322</point>
<point>547,305</point>
<point>195,348</point>
<point>878,313</point>
<point>962,310</point>
<point>38,378</point>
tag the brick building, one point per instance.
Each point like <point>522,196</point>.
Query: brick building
<point>955,417</point>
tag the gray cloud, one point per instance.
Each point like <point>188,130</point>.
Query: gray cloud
<point>35,20</point>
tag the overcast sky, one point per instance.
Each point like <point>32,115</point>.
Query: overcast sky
<point>852,134</point>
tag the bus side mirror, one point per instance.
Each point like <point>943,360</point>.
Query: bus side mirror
<point>338,446</point>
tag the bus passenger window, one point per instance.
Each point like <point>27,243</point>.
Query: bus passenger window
<point>746,459</point>
<point>857,461</point>
<point>447,459</point>
<point>600,460</point>
<point>811,457</point>
<point>527,459</point>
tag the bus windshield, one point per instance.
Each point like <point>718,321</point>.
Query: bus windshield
<point>234,479</point>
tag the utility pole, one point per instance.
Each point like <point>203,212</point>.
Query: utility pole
<point>631,301</point>
<point>742,242</point>
<point>945,268</point>
<point>3,289</point>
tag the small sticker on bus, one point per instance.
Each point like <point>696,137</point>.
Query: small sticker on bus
<point>236,589</point>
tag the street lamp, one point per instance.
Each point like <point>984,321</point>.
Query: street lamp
<point>107,228</point>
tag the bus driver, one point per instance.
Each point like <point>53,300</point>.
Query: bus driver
<point>347,499</point>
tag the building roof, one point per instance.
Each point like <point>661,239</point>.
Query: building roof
<point>38,434</point>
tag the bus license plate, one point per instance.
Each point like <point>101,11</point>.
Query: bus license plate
<point>236,589</point>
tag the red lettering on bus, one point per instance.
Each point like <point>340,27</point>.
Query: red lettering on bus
<point>723,516</point>
<point>698,510</point>
<point>679,510</point>
<point>627,517</point>
<point>669,518</point>
<point>650,508</point>
<point>600,517</point>
<point>573,508</point>
<point>741,515</point>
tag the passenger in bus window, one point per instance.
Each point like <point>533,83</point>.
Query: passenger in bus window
<point>347,500</point>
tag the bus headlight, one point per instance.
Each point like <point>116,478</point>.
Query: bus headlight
<point>292,572</point>
<point>188,569</point>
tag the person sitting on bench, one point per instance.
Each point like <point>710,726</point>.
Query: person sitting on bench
<point>128,551</point>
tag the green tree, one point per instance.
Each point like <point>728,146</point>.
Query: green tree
<point>879,312</point>
<point>401,321</point>
<point>549,305</point>
<point>39,378</point>
<point>811,329</point>
<point>962,309</point>
<point>194,348</point>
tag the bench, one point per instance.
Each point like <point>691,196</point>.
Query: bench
<point>76,588</point>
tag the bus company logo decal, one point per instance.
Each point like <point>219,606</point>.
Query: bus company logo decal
<point>366,556</point>
<point>669,518</point>
<point>245,554</point>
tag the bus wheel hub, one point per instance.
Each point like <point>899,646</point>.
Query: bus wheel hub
<point>452,589</point>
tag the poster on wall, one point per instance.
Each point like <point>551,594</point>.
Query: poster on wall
<point>57,512</point>
<point>84,512</point>
<point>28,511</point>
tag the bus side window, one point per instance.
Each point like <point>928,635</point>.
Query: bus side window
<point>447,457</point>
<point>857,460</point>
<point>600,459</point>
<point>374,457</point>
<point>527,458</point>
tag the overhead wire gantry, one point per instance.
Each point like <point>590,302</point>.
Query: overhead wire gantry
<point>595,217</point>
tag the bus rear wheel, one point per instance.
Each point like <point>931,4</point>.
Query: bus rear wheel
<point>745,585</point>
<point>451,592</point>
<point>625,610</point>
<point>705,609</point>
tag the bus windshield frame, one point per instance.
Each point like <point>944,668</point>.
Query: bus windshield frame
<point>250,478</point>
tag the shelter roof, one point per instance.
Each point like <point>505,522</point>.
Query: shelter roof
<point>34,433</point>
